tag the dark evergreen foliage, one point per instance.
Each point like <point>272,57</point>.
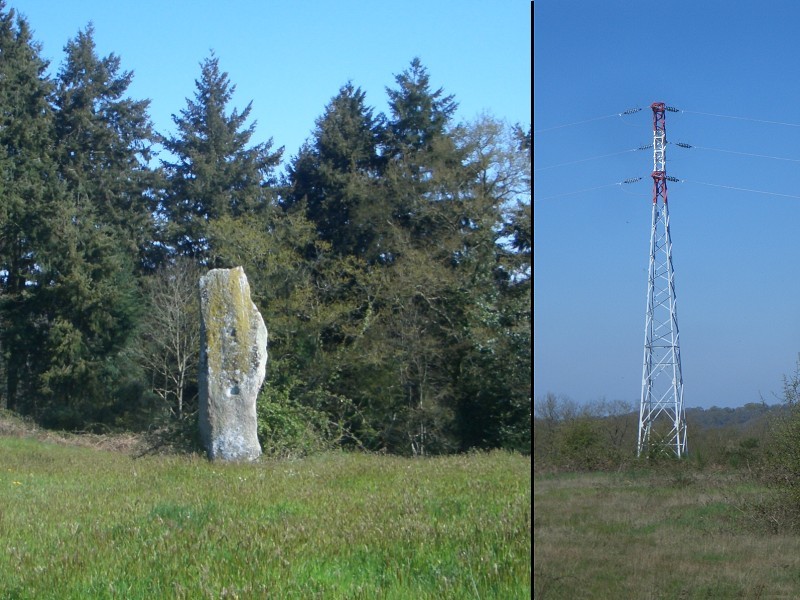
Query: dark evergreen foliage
<point>215,173</point>
<point>104,143</point>
<point>29,189</point>
<point>335,175</point>
<point>392,265</point>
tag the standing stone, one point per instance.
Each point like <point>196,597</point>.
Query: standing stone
<point>233,360</point>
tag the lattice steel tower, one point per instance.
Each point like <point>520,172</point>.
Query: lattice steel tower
<point>662,420</point>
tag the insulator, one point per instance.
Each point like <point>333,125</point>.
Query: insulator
<point>645,147</point>
<point>632,180</point>
<point>672,109</point>
<point>683,145</point>
<point>670,178</point>
<point>631,111</point>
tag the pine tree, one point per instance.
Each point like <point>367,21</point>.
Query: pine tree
<point>28,185</point>
<point>422,161</point>
<point>104,142</point>
<point>418,228</point>
<point>86,303</point>
<point>419,115</point>
<point>215,172</point>
<point>79,300</point>
<point>335,174</point>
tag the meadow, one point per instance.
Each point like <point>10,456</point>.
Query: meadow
<point>662,532</point>
<point>83,522</point>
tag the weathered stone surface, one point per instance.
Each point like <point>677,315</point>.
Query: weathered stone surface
<point>233,360</point>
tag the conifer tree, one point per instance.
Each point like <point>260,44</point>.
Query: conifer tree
<point>28,186</point>
<point>78,304</point>
<point>86,303</point>
<point>335,180</point>
<point>422,161</point>
<point>417,236</point>
<point>215,171</point>
<point>335,174</point>
<point>73,217</point>
<point>373,187</point>
<point>104,142</point>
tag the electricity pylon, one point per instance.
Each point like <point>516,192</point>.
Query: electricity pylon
<point>662,420</point>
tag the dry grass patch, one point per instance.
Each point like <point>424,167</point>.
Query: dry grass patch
<point>658,535</point>
<point>134,444</point>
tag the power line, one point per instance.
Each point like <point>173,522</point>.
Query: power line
<point>573,162</point>
<point>599,187</point>
<point>697,112</point>
<point>683,145</point>
<point>630,111</point>
<point>739,189</point>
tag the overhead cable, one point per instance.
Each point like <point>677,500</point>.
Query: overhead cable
<point>599,187</point>
<point>740,189</point>
<point>630,111</point>
<point>708,114</point>
<point>572,162</point>
<point>684,145</point>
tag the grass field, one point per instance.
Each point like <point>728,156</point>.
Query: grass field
<point>79,522</point>
<point>663,533</point>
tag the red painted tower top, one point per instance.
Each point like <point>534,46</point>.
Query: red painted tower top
<point>659,152</point>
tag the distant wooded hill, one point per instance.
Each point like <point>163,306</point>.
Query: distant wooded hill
<point>741,417</point>
<point>603,435</point>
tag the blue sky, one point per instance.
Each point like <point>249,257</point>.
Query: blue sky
<point>290,57</point>
<point>735,252</point>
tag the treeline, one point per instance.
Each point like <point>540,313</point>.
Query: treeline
<point>757,442</point>
<point>391,258</point>
<point>603,435</point>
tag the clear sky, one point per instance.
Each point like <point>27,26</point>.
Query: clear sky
<point>735,252</point>
<point>290,57</point>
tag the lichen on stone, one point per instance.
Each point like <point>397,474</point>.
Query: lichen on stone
<point>232,367</point>
<point>227,313</point>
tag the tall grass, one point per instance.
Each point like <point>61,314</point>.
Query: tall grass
<point>83,523</point>
<point>660,533</point>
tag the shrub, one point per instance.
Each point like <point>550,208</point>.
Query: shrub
<point>594,436</point>
<point>287,428</point>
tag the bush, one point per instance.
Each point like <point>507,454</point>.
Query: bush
<point>287,428</point>
<point>781,468</point>
<point>590,437</point>
<point>579,445</point>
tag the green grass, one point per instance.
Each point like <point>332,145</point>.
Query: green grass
<point>86,523</point>
<point>664,533</point>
